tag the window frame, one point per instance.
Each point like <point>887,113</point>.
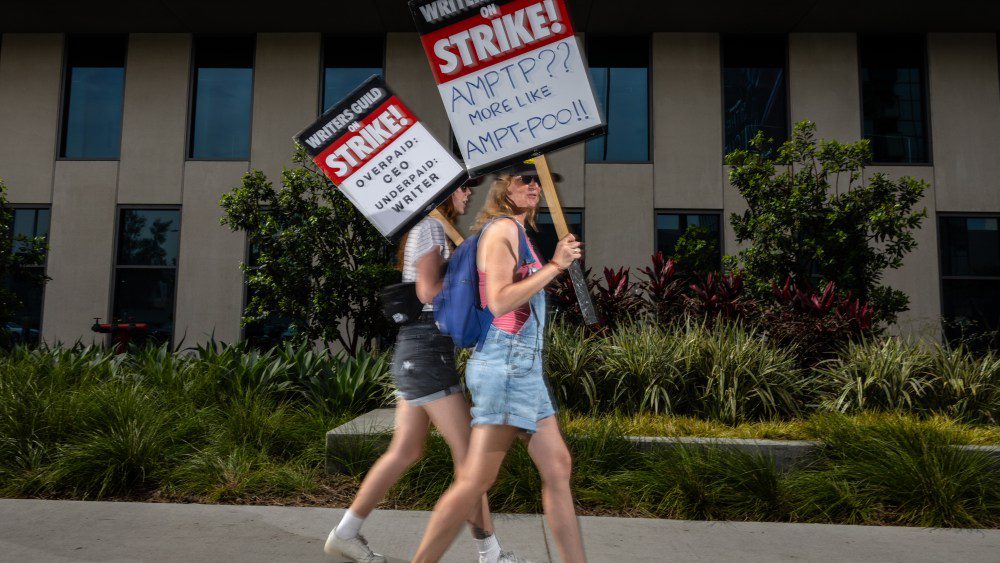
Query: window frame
<point>657,211</point>
<point>114,261</point>
<point>650,106</point>
<point>583,222</point>
<point>925,84</point>
<point>45,264</point>
<point>322,61</point>
<point>789,126</point>
<point>193,91</point>
<point>64,83</point>
<point>940,261</point>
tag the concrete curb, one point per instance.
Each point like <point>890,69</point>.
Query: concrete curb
<point>350,446</point>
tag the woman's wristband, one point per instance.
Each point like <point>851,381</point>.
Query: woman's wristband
<point>558,267</point>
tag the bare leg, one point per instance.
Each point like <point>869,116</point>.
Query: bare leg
<point>408,438</point>
<point>452,418</point>
<point>551,456</point>
<point>487,449</point>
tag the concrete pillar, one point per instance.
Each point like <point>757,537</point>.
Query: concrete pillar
<point>30,78</point>
<point>687,121</point>
<point>285,97</point>
<point>823,83</point>
<point>154,123</point>
<point>920,276</point>
<point>81,251</point>
<point>965,120</point>
<point>209,280</point>
<point>619,215</point>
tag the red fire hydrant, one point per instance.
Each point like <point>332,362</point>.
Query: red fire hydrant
<point>122,333</point>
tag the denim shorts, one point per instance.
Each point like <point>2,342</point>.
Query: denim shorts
<point>505,377</point>
<point>423,363</point>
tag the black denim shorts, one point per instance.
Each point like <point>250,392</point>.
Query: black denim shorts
<point>423,363</point>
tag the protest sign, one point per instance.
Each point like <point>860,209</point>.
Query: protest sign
<point>511,76</point>
<point>382,158</point>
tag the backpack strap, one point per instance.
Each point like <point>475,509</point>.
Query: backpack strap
<point>524,255</point>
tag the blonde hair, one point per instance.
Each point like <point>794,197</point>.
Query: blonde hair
<point>498,204</point>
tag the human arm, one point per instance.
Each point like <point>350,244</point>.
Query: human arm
<point>498,254</point>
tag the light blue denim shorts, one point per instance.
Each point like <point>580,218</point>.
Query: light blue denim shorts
<point>505,379</point>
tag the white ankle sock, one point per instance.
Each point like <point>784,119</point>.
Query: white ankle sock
<point>349,526</point>
<point>489,549</point>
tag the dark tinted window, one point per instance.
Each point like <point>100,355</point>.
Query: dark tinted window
<point>347,62</point>
<point>148,237</point>
<point>223,87</point>
<point>25,324</point>
<point>92,104</point>
<point>894,98</point>
<point>755,89</point>
<point>545,238</point>
<point>146,272</point>
<point>619,69</point>
<point>970,271</point>
<point>705,227</point>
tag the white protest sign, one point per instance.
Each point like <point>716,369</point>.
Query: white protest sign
<point>382,158</point>
<point>511,76</point>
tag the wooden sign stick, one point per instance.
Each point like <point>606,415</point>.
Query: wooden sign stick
<point>455,236</point>
<point>562,229</point>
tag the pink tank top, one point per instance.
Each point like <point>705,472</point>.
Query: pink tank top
<point>512,322</point>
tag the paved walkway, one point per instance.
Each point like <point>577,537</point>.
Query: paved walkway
<point>56,531</point>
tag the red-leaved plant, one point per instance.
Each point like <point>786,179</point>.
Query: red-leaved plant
<point>664,288</point>
<point>720,296</point>
<point>617,299</point>
<point>816,323</point>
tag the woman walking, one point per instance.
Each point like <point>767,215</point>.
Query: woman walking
<point>429,392</point>
<point>510,394</point>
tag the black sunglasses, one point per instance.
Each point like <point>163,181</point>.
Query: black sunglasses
<point>528,179</point>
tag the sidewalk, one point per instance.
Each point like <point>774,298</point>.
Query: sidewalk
<point>55,531</point>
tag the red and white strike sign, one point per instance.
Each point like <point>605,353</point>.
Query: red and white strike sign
<point>511,76</point>
<point>382,158</point>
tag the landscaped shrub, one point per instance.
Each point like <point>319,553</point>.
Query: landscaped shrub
<point>642,370</point>
<point>572,363</point>
<point>898,472</point>
<point>880,375</point>
<point>739,377</point>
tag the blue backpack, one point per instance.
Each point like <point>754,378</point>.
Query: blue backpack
<point>457,308</point>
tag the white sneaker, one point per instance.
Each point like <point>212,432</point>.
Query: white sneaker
<point>508,557</point>
<point>356,549</point>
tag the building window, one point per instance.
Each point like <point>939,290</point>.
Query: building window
<point>755,89</point>
<point>146,270</point>
<point>545,238</point>
<point>347,62</point>
<point>223,90</point>
<point>271,331</point>
<point>970,276</point>
<point>93,96</point>
<point>702,238</point>
<point>25,325</point>
<point>619,69</point>
<point>894,98</point>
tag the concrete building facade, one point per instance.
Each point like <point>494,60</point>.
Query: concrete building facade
<point>618,201</point>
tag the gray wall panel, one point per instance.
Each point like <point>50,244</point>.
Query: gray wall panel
<point>210,283</point>
<point>687,126</point>
<point>965,120</point>
<point>30,78</point>
<point>154,123</point>
<point>286,96</point>
<point>619,218</point>
<point>81,251</point>
<point>823,83</point>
